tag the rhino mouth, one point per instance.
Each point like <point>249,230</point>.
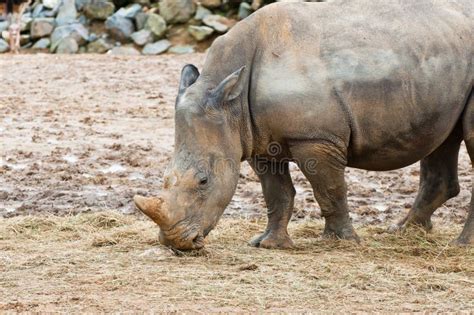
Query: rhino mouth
<point>183,238</point>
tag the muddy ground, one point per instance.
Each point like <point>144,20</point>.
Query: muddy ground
<point>85,133</point>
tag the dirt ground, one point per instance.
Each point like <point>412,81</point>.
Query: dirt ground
<point>85,133</point>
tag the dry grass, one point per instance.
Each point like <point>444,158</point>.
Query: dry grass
<point>110,262</point>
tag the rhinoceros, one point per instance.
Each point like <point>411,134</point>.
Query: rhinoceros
<point>360,83</point>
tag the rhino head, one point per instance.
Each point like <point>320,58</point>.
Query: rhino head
<point>202,176</point>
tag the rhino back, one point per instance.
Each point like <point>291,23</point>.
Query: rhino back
<point>387,81</point>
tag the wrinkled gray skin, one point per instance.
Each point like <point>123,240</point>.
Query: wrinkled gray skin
<point>336,85</point>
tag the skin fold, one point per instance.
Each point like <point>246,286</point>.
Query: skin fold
<point>376,86</point>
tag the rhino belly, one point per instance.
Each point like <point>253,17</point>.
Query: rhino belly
<point>394,125</point>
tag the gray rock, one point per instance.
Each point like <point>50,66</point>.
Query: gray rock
<point>80,4</point>
<point>41,27</point>
<point>27,45</point>
<point>212,4</point>
<point>83,19</point>
<point>3,26</point>
<point>140,20</point>
<point>177,11</point>
<point>43,43</point>
<point>217,22</point>
<point>156,24</point>
<point>130,11</point>
<point>3,46</point>
<point>245,9</point>
<point>181,49</point>
<point>25,40</point>
<point>67,13</point>
<point>99,46</point>
<point>99,9</point>
<point>92,37</point>
<point>3,195</point>
<point>67,45</point>
<point>76,30</point>
<point>119,27</point>
<point>157,48</point>
<point>37,10</point>
<point>51,4</point>
<point>201,13</point>
<point>200,32</point>
<point>49,13</point>
<point>25,23</point>
<point>124,50</point>
<point>142,37</point>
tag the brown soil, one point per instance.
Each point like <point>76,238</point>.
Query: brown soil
<point>85,133</point>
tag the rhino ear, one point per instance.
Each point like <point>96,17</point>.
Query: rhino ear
<point>189,75</point>
<point>231,87</point>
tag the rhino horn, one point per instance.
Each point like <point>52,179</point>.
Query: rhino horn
<point>153,208</point>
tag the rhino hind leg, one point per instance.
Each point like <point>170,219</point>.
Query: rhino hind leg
<point>279,194</point>
<point>323,165</point>
<point>438,182</point>
<point>467,234</point>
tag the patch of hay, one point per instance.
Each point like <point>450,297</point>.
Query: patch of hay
<point>108,262</point>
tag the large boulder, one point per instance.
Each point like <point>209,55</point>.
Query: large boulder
<point>67,12</point>
<point>140,20</point>
<point>37,10</point>
<point>130,11</point>
<point>124,51</point>
<point>43,43</point>
<point>156,24</point>
<point>177,11</point>
<point>3,46</point>
<point>99,46</point>
<point>201,13</point>
<point>67,45</point>
<point>142,37</point>
<point>41,27</point>
<point>76,31</point>
<point>245,10</point>
<point>99,9</point>
<point>219,23</point>
<point>119,27</point>
<point>181,49</point>
<point>51,4</point>
<point>156,48</point>
<point>80,4</point>
<point>212,4</point>
<point>200,32</point>
<point>3,26</point>
<point>25,40</point>
<point>25,24</point>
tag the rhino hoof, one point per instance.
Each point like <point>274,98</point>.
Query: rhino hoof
<point>462,242</point>
<point>272,241</point>
<point>401,227</point>
<point>342,233</point>
<point>395,228</point>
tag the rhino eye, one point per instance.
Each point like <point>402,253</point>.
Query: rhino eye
<point>203,181</point>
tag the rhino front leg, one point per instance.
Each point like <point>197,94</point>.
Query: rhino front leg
<point>279,193</point>
<point>323,165</point>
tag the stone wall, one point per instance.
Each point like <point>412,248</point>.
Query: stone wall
<point>126,27</point>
